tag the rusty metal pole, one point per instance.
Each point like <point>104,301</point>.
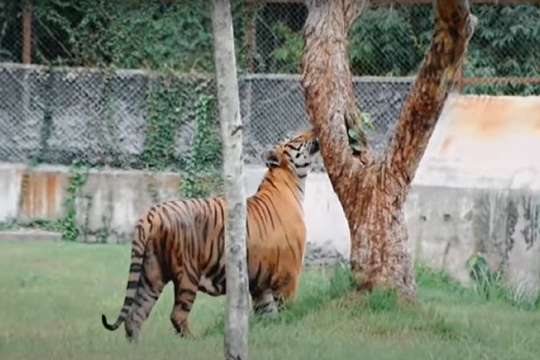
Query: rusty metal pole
<point>27,32</point>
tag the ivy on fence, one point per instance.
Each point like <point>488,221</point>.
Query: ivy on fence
<point>202,175</point>
<point>164,118</point>
<point>68,225</point>
<point>172,103</point>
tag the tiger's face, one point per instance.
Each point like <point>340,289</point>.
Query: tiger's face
<point>295,154</point>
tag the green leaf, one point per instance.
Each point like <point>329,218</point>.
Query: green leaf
<point>356,147</point>
<point>353,134</point>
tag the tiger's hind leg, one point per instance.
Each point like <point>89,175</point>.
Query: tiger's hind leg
<point>185,292</point>
<point>149,288</point>
<point>264,304</point>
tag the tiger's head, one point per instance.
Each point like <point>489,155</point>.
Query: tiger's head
<point>295,154</point>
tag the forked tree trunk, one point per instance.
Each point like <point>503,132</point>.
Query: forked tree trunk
<point>372,190</point>
<point>237,312</point>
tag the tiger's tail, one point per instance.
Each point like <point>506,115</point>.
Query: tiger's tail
<point>135,270</point>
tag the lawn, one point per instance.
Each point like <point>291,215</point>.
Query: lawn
<point>52,296</point>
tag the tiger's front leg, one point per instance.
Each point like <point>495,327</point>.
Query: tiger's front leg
<point>264,304</point>
<point>286,293</point>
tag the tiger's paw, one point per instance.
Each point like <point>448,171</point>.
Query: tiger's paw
<point>185,333</point>
<point>267,310</point>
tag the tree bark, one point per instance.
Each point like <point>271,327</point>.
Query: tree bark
<point>372,190</point>
<point>27,32</point>
<point>250,37</point>
<point>236,318</point>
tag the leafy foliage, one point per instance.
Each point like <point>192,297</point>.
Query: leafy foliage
<point>165,105</point>
<point>288,54</point>
<point>138,34</point>
<point>491,285</point>
<point>383,42</point>
<point>10,50</point>
<point>393,41</point>
<point>506,43</point>
<point>68,225</point>
<point>129,35</point>
<point>177,35</point>
<point>202,171</point>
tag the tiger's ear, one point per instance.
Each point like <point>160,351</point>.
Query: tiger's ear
<point>270,158</point>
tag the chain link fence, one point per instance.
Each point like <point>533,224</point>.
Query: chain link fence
<point>123,118</point>
<point>150,118</point>
<point>273,107</point>
<point>10,32</point>
<point>140,119</point>
<point>392,40</point>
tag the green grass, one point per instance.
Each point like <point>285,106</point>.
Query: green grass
<point>52,296</point>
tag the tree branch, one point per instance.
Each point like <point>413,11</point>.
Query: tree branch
<point>353,9</point>
<point>454,26</point>
<point>328,87</point>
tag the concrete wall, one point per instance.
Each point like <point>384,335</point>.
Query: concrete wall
<point>447,225</point>
<point>465,199</point>
<point>107,205</point>
<point>484,167</point>
<point>10,190</point>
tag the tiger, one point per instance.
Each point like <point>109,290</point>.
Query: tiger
<point>182,241</point>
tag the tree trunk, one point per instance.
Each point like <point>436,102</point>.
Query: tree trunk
<point>27,32</point>
<point>250,37</point>
<point>372,190</point>
<point>236,319</point>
